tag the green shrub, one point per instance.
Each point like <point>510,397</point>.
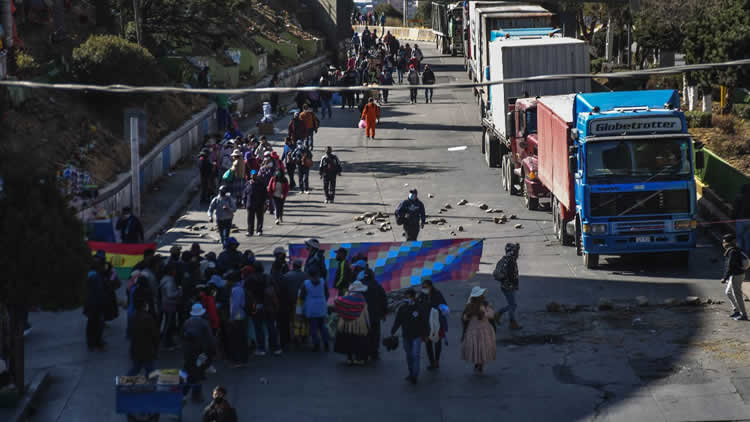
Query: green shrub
<point>741,110</point>
<point>26,64</point>
<point>108,59</point>
<point>698,119</point>
<point>596,64</point>
<point>664,82</point>
<point>389,10</point>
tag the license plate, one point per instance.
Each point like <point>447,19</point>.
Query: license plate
<point>643,239</point>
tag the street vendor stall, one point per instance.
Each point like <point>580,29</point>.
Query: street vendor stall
<point>145,399</point>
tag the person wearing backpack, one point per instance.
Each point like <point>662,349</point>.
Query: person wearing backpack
<point>735,265</point>
<point>303,157</point>
<point>288,158</point>
<point>506,272</point>
<point>330,168</point>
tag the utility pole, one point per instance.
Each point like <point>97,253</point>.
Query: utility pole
<point>137,18</point>
<point>406,11</point>
<point>5,11</point>
<point>135,168</point>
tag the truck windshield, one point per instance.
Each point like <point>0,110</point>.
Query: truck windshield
<point>642,159</point>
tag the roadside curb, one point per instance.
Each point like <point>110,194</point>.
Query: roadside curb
<point>33,389</point>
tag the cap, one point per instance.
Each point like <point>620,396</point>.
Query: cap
<point>175,249</point>
<point>232,241</point>
<point>728,238</point>
<point>279,251</point>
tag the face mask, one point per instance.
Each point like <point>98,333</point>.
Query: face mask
<point>218,400</point>
<point>426,291</point>
<point>411,196</point>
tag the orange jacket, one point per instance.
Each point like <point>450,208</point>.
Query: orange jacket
<point>311,121</point>
<point>371,112</point>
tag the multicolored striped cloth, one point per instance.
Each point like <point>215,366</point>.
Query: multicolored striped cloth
<point>349,307</point>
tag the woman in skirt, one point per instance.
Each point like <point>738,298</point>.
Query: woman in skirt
<point>353,325</point>
<point>238,180</point>
<point>478,343</point>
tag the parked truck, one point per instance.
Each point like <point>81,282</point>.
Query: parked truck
<point>447,25</point>
<point>619,167</point>
<point>518,58</point>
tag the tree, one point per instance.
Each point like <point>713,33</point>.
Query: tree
<point>657,26</point>
<point>718,31</point>
<point>46,258</point>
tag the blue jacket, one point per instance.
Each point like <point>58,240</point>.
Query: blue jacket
<point>315,305</point>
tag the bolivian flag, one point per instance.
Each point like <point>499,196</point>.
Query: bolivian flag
<point>123,256</point>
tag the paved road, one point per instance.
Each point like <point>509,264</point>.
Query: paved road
<point>630,364</point>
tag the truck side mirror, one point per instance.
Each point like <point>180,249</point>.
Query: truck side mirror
<point>572,164</point>
<point>510,123</point>
<point>700,160</point>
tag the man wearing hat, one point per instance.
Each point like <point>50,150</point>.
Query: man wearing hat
<point>734,275</point>
<point>411,214</point>
<point>315,259</point>
<point>330,169</point>
<point>238,175</point>
<point>198,339</point>
<point>230,259</point>
<point>377,305</point>
<point>224,207</point>
<point>131,230</point>
<point>255,203</point>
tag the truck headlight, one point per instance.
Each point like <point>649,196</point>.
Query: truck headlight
<point>681,225</point>
<point>595,228</point>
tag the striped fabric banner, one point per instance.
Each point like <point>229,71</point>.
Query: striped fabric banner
<point>123,256</point>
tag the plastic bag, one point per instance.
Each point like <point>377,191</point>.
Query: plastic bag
<point>362,124</point>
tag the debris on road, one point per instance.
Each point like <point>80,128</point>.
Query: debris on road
<point>692,300</point>
<point>448,206</point>
<point>483,206</point>
<point>436,221</point>
<point>461,148</point>
<point>429,195</point>
<point>463,202</point>
<point>641,300</point>
<point>513,217</point>
<point>460,228</point>
<point>518,226</point>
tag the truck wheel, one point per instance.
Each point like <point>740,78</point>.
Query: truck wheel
<point>484,141</point>
<point>559,224</point>
<point>532,204</point>
<point>512,179</point>
<point>590,260</point>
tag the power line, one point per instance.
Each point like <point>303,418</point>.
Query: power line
<point>128,89</point>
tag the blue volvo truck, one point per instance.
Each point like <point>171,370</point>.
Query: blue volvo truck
<point>619,167</point>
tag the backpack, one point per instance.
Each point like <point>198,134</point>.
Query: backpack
<point>745,261</point>
<point>501,269</point>
<point>228,176</point>
<point>306,159</point>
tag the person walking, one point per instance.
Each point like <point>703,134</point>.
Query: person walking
<point>278,190</point>
<point>303,158</point>
<point>412,321</point>
<point>266,299</point>
<point>734,275</point>
<point>370,114</point>
<point>411,214</point>
<point>296,129</point>
<point>315,258</point>
<point>326,96</point>
<point>219,410</point>
<point>288,158</point>
<point>224,207</point>
<point>238,175</point>
<point>291,283</point>
<point>198,340</point>
<point>314,295</point>
<point>353,326</point>
<point>144,340</point>
<point>330,168</point>
<point>377,305</point>
<point>130,227</point>
<point>506,272</point>
<point>255,202</point>
<point>386,79</point>
<point>478,342</point>
<point>428,78</point>
<point>170,296</point>
<point>96,302</point>
<point>413,79</point>
<point>356,43</point>
<point>344,274</point>
<point>417,53</point>
<point>311,126</point>
<point>431,300</point>
<point>401,64</point>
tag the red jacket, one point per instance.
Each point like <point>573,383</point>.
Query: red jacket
<point>209,302</point>
<point>272,188</point>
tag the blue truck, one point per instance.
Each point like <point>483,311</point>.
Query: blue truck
<point>618,168</point>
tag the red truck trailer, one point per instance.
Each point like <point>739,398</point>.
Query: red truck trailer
<point>554,123</point>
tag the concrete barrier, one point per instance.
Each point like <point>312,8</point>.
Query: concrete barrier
<point>181,143</point>
<point>402,33</point>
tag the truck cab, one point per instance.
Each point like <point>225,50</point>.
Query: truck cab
<point>631,159</point>
<point>519,166</point>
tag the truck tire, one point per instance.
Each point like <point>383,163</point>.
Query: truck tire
<point>484,141</point>
<point>558,224</point>
<point>512,178</point>
<point>590,260</point>
<point>532,204</point>
<point>492,151</point>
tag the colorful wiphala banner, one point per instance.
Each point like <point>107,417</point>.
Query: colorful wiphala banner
<point>123,256</point>
<point>398,265</point>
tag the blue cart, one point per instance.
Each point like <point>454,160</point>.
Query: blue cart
<point>147,402</point>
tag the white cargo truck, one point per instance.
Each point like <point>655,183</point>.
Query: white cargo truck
<point>521,58</point>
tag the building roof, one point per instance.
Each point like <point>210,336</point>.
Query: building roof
<point>608,101</point>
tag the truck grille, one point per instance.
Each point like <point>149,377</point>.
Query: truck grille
<point>639,227</point>
<point>613,204</point>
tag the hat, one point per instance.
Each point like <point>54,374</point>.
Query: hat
<point>331,67</point>
<point>312,243</point>
<point>279,251</point>
<point>299,141</point>
<point>357,286</point>
<point>211,256</point>
<point>512,247</point>
<point>414,191</point>
<point>197,310</point>
<point>232,241</point>
<point>175,249</point>
<point>196,248</point>
<point>361,276</point>
<point>360,264</point>
<point>342,250</point>
<point>217,281</point>
<point>100,254</point>
<point>236,153</point>
<point>727,238</point>
<point>476,292</point>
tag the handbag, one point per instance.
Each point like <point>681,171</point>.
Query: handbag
<point>228,176</point>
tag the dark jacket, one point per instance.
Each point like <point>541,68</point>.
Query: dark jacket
<point>732,262</point>
<point>317,260</point>
<point>229,260</point>
<point>297,129</point>
<point>433,300</point>
<point>377,301</point>
<point>428,77</point>
<point>413,321</point>
<point>97,297</point>
<point>412,211</point>
<point>130,229</point>
<point>223,412</point>
<point>290,285</point>
<point>255,194</point>
<point>330,166</point>
<point>144,337</point>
